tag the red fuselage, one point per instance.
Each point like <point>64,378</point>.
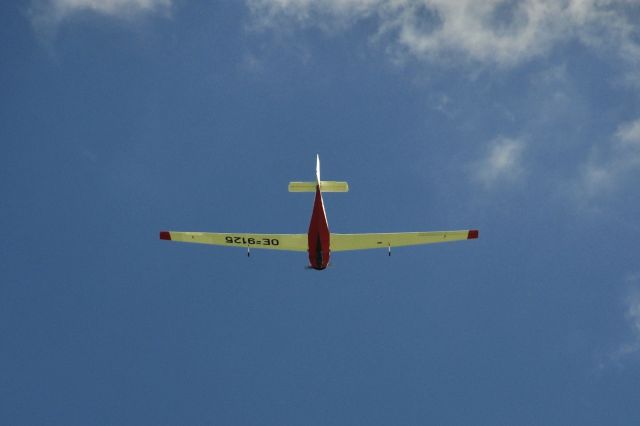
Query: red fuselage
<point>318,235</point>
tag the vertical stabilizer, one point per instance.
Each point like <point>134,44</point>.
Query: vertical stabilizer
<point>324,186</point>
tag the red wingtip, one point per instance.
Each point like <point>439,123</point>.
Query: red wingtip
<point>473,234</point>
<point>165,235</point>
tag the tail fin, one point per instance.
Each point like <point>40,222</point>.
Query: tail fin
<point>325,185</point>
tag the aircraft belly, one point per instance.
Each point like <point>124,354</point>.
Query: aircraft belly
<point>319,235</point>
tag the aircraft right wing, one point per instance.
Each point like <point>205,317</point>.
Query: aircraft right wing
<point>290,242</point>
<point>344,242</point>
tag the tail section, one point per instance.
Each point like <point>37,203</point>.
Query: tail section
<point>325,185</point>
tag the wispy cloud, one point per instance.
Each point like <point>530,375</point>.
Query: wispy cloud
<point>611,163</point>
<point>631,347</point>
<point>494,32</point>
<point>501,34</point>
<point>502,163</point>
<point>47,15</point>
<point>629,135</point>
<point>108,7</point>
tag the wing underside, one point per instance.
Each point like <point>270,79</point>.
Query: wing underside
<point>344,242</point>
<point>290,242</point>
<point>299,242</point>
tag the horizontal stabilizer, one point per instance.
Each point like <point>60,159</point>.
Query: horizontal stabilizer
<point>325,186</point>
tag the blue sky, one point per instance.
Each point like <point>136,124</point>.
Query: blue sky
<point>121,118</point>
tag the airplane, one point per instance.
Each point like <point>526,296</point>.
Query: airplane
<point>319,242</point>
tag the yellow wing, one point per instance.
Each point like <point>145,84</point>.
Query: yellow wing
<point>344,242</point>
<point>291,242</point>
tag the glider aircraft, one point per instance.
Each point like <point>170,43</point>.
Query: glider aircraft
<point>319,242</point>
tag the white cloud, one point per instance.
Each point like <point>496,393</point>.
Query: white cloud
<point>46,15</point>
<point>502,34</point>
<point>108,7</point>
<point>621,158</point>
<point>629,134</point>
<point>595,179</point>
<point>632,314</point>
<point>498,32</point>
<point>502,164</point>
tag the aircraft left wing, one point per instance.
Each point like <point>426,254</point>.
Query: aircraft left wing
<point>290,242</point>
<point>344,242</point>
